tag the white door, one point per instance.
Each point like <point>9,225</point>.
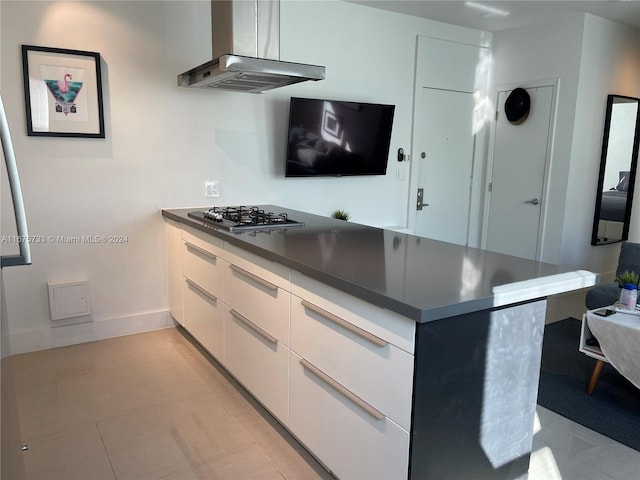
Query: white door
<point>518,173</point>
<point>445,142</point>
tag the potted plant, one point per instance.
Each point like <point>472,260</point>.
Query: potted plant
<point>341,215</point>
<point>628,282</point>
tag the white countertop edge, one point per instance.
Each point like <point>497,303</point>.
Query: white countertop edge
<point>543,287</point>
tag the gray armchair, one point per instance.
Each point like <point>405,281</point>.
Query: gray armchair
<point>607,293</point>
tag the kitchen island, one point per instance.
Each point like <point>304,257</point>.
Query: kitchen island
<point>387,355</point>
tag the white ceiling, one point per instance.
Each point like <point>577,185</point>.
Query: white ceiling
<point>520,12</point>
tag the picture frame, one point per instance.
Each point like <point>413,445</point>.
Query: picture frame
<point>62,92</point>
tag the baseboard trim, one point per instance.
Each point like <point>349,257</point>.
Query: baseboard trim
<point>60,336</point>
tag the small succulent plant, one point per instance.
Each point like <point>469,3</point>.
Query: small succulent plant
<point>628,277</point>
<point>341,215</point>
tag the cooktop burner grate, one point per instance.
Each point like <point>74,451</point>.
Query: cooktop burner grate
<point>244,218</point>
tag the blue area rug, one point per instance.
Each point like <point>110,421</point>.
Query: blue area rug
<point>613,409</point>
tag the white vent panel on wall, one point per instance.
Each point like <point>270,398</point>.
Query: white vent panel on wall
<point>69,299</point>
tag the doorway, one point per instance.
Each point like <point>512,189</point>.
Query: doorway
<point>444,150</point>
<point>518,169</point>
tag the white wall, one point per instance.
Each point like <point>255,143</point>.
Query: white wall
<point>610,64</point>
<point>370,55</point>
<point>92,187</point>
<point>591,57</point>
<point>163,142</point>
<point>539,52</point>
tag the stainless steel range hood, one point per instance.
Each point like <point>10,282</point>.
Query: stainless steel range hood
<point>246,51</point>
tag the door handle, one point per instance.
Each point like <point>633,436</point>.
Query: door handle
<point>420,200</point>
<point>254,327</point>
<point>200,250</point>
<point>374,412</point>
<point>343,323</point>
<point>253,277</point>
<point>533,201</point>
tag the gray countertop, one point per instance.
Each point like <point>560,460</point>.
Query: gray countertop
<point>416,277</point>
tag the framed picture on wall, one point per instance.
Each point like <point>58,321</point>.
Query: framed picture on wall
<point>62,92</point>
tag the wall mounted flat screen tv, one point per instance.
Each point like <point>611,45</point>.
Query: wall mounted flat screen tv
<point>336,138</point>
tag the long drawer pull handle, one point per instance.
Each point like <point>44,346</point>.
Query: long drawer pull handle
<point>377,414</point>
<point>201,290</point>
<point>254,327</point>
<point>200,250</point>
<point>343,323</point>
<point>253,277</point>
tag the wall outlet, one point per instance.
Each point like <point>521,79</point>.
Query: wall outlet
<point>212,189</point>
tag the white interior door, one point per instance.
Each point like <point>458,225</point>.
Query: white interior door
<point>518,174</point>
<point>445,142</point>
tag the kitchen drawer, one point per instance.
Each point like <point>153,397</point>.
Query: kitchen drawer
<point>259,361</point>
<point>202,261</point>
<point>203,318</point>
<point>173,237</point>
<point>371,367</point>
<point>350,441</point>
<point>273,272</point>
<point>259,294</point>
<point>392,327</point>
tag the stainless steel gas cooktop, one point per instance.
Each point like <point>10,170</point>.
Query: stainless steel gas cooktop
<point>242,218</point>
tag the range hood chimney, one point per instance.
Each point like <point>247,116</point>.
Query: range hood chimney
<point>246,51</point>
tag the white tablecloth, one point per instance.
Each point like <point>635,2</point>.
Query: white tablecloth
<point>619,338</point>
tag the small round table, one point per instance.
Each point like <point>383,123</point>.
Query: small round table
<point>618,337</point>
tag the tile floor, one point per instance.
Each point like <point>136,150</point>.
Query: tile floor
<point>153,406</point>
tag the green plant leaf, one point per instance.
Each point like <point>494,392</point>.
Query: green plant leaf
<point>628,277</point>
<point>341,215</point>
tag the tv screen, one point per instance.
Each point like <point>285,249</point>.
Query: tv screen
<point>335,138</point>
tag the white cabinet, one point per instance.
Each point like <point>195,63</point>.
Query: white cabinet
<point>336,370</point>
<point>259,361</point>
<point>396,329</point>
<point>259,290</point>
<point>342,433</point>
<point>203,313</point>
<point>202,261</point>
<point>367,365</point>
<point>351,381</point>
<point>173,237</point>
<point>203,271</point>
<point>257,328</point>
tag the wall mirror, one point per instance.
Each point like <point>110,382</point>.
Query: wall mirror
<point>617,170</point>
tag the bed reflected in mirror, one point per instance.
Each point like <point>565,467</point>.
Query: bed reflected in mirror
<point>617,170</point>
